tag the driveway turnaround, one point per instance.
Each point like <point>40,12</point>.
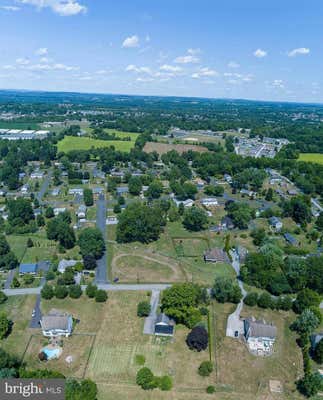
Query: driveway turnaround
<point>149,326</point>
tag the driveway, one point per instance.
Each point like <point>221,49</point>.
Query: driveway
<point>44,186</point>
<point>34,323</point>
<point>234,323</point>
<point>149,326</point>
<point>101,212</point>
<point>9,279</point>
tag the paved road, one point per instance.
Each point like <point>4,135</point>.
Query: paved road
<point>101,212</point>
<point>149,326</point>
<point>234,323</point>
<point>44,186</point>
<point>105,286</point>
<point>34,323</point>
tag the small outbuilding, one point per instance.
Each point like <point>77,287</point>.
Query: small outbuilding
<point>216,255</point>
<point>164,326</point>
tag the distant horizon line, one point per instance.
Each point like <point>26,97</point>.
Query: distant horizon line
<point>161,96</point>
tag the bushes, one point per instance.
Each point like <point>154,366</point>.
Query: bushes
<point>101,296</point>
<point>3,297</point>
<point>143,309</point>
<point>251,299</point>
<point>47,292</point>
<point>91,290</point>
<point>146,379</point>
<point>75,291</point>
<point>206,368</point>
<point>225,290</point>
<point>61,291</point>
<point>310,385</point>
<point>210,389</point>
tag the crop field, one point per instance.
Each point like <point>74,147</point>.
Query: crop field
<point>311,157</point>
<point>162,148</point>
<point>70,143</point>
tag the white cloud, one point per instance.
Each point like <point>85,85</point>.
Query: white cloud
<point>170,68</point>
<point>188,59</point>
<point>10,8</point>
<point>278,83</point>
<point>140,79</point>
<point>131,42</point>
<point>138,70</point>
<point>22,61</point>
<point>9,67</point>
<point>193,52</point>
<point>205,72</point>
<point>42,51</point>
<point>64,8</point>
<point>259,53</point>
<point>299,51</point>
<point>45,60</point>
<point>233,64</point>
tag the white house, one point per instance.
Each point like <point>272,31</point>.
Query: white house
<point>275,223</point>
<point>37,175</point>
<point>81,212</point>
<point>75,191</point>
<point>260,336</point>
<point>209,202</point>
<point>24,189</point>
<point>186,203</point>
<point>56,323</point>
<point>111,220</point>
<point>59,210</point>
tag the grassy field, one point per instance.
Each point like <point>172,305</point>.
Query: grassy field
<point>162,148</point>
<point>182,250</point>
<point>85,143</point>
<point>241,372</point>
<point>18,309</point>
<point>311,157</point>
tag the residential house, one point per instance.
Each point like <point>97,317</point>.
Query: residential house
<point>81,212</point>
<point>37,175</point>
<point>122,190</point>
<point>209,202</point>
<point>63,264</point>
<point>56,323</point>
<point>28,269</point>
<point>164,326</point>
<point>247,192</point>
<point>292,192</point>
<point>75,191</point>
<point>216,255</point>
<point>227,223</point>
<point>260,336</point>
<point>59,210</point>
<point>290,239</point>
<point>25,189</point>
<point>55,192</point>
<point>227,178</point>
<point>186,203</point>
<point>275,223</point>
<point>111,220</point>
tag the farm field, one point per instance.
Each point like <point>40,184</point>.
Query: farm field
<point>311,157</point>
<point>162,148</point>
<point>70,143</point>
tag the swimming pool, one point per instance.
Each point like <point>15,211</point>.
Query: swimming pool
<point>51,353</point>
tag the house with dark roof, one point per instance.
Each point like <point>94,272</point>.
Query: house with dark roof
<point>275,223</point>
<point>216,255</point>
<point>56,323</point>
<point>315,340</point>
<point>227,223</point>
<point>290,239</point>
<point>121,190</point>
<point>260,336</point>
<point>28,269</point>
<point>164,326</point>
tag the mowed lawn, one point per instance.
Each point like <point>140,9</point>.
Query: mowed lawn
<point>70,143</point>
<point>311,157</point>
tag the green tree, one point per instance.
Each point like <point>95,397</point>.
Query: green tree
<point>75,291</point>
<point>165,383</point>
<point>88,197</point>
<point>5,325</point>
<point>91,290</point>
<point>306,298</point>
<point>47,292</point>
<point>225,290</point>
<point>135,185</point>
<point>145,379</point>
<point>3,297</point>
<point>205,368</point>
<point>155,190</point>
<point>91,242</point>
<point>310,385</point>
<point>61,291</point>
<point>101,296</point>
<point>318,352</point>
<point>305,323</point>
<point>49,213</point>
<point>195,219</point>
<point>143,309</point>
<point>251,299</point>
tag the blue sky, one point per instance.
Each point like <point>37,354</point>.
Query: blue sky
<point>269,49</point>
